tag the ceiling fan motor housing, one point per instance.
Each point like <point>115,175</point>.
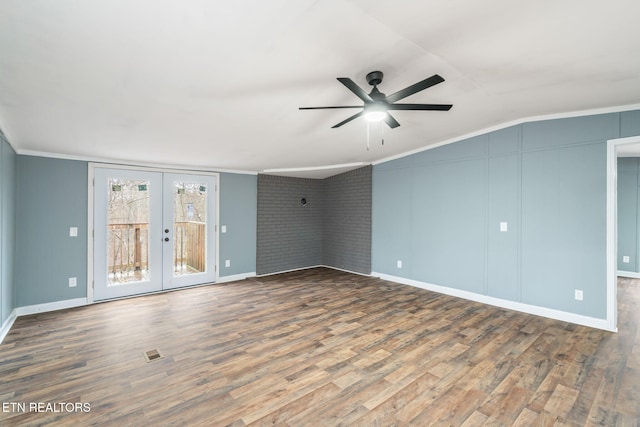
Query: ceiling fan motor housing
<point>374,78</point>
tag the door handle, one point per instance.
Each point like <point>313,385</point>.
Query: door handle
<point>166,239</point>
<point>166,230</point>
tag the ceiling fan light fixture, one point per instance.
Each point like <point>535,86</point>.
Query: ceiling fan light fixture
<point>375,116</point>
<point>375,113</point>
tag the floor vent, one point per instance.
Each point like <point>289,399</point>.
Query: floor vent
<point>152,355</point>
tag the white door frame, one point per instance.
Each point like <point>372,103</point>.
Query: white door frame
<point>90,214</point>
<point>612,228</point>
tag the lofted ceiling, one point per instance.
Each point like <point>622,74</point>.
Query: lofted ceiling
<point>217,85</point>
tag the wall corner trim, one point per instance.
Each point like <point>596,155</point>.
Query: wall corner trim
<point>564,316</point>
<point>6,326</point>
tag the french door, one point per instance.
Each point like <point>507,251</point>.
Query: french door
<point>152,231</point>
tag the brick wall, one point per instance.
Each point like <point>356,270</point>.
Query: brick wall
<point>333,228</point>
<point>346,236</point>
<point>289,234</point>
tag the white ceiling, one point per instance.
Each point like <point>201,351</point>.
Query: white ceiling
<point>217,85</point>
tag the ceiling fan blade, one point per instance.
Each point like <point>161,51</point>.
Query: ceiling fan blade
<point>410,90</point>
<point>357,90</point>
<point>393,123</point>
<point>432,107</point>
<point>355,116</point>
<point>324,108</point>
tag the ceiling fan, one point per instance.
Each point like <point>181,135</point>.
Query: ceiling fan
<point>377,105</point>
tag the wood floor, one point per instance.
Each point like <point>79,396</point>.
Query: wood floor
<point>320,348</point>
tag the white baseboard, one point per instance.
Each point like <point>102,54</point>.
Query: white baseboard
<point>511,305</point>
<point>50,306</point>
<point>290,271</point>
<point>346,271</point>
<point>235,277</point>
<point>6,326</point>
<point>38,308</point>
<point>313,266</point>
<point>629,274</point>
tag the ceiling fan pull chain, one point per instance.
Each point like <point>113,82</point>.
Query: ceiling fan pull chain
<point>368,124</point>
<point>382,133</point>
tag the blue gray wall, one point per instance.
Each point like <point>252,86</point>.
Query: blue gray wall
<point>52,198</point>
<point>7,227</point>
<point>439,212</point>
<point>238,212</point>
<point>628,209</point>
<point>629,123</point>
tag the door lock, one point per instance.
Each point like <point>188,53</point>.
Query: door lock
<point>166,239</point>
<point>166,230</point>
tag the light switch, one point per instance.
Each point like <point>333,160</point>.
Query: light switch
<point>223,229</point>
<point>503,227</point>
<point>73,282</point>
<point>625,259</point>
<point>227,263</point>
<point>73,231</point>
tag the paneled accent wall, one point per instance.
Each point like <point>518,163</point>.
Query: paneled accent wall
<point>517,214</point>
<point>333,228</point>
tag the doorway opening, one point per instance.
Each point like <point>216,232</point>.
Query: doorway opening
<point>612,227</point>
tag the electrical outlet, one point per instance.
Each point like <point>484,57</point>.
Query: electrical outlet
<point>73,231</point>
<point>399,264</point>
<point>579,294</point>
<point>625,259</point>
<point>227,263</point>
<point>73,282</point>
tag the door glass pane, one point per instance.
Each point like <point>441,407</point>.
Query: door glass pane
<point>190,224</point>
<point>128,236</point>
